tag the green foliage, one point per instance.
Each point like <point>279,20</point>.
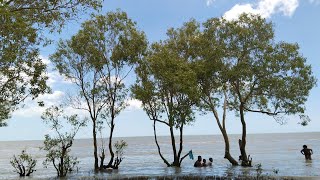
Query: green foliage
<point>166,89</point>
<point>304,120</point>
<point>242,57</point>
<point>264,76</point>
<point>58,147</point>
<point>23,164</point>
<point>52,15</point>
<point>166,83</point>
<point>98,57</point>
<point>5,109</point>
<point>21,69</point>
<point>210,66</point>
<point>22,73</point>
<point>119,147</point>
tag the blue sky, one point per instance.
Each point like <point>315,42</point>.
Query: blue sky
<point>294,21</point>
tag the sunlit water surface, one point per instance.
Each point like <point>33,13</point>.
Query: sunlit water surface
<point>273,151</point>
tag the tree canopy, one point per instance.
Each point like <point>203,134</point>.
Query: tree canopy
<point>23,23</point>
<point>97,60</point>
<point>166,85</point>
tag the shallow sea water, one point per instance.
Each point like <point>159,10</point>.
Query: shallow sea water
<point>273,151</point>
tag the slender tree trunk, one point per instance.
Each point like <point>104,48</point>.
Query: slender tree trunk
<point>61,167</point>
<point>156,140</point>
<point>243,141</point>
<point>223,130</point>
<point>174,149</point>
<point>102,158</point>
<point>180,147</point>
<point>110,143</point>
<point>227,154</point>
<point>95,149</point>
<point>23,170</point>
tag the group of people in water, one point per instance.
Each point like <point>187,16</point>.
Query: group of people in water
<point>203,162</point>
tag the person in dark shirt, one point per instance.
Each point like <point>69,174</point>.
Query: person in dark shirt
<point>198,162</point>
<point>204,163</point>
<point>210,162</point>
<point>306,152</point>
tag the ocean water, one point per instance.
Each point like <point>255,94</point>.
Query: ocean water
<point>273,151</point>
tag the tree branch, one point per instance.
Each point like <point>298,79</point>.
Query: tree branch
<point>264,112</point>
<point>164,122</point>
<point>184,157</point>
<point>156,140</point>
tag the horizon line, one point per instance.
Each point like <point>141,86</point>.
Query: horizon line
<point>176,135</point>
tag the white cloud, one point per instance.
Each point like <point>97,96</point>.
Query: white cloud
<point>31,108</point>
<point>53,98</point>
<point>210,2</point>
<point>55,77</point>
<point>265,8</point>
<point>45,60</point>
<point>237,10</point>
<point>134,104</point>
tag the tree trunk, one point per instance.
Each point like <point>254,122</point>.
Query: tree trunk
<point>95,149</point>
<point>176,162</point>
<point>173,143</point>
<point>227,154</point>
<point>110,143</point>
<point>156,140</point>
<point>102,157</point>
<point>22,171</point>
<point>61,164</point>
<point>223,130</point>
<point>243,141</point>
<point>180,147</point>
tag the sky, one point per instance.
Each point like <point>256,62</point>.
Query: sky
<point>295,21</point>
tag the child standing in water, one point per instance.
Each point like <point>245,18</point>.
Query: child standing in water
<point>306,152</point>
